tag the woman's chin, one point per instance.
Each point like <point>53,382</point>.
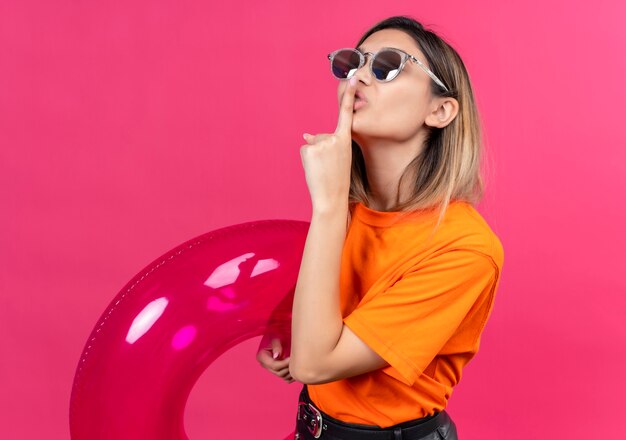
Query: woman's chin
<point>358,124</point>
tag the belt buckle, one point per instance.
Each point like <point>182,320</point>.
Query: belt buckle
<point>315,425</point>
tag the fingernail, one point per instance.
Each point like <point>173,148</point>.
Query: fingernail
<point>305,135</point>
<point>353,80</point>
<point>275,355</point>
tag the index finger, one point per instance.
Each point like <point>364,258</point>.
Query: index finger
<point>344,123</point>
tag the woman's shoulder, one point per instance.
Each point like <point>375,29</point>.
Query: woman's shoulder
<point>467,229</point>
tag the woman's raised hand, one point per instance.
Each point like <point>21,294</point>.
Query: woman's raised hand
<point>327,158</point>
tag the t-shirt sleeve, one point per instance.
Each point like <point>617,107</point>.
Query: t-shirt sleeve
<point>409,323</point>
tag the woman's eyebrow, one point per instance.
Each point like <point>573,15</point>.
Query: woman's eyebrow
<point>360,49</point>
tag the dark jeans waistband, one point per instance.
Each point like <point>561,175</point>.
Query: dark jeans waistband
<point>411,429</point>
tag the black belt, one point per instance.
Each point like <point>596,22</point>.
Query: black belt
<point>319,423</point>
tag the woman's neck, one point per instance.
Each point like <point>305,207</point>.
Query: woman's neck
<point>384,163</point>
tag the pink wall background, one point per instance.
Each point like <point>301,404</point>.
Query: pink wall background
<point>128,128</point>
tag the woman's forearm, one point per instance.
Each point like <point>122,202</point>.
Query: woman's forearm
<point>316,321</point>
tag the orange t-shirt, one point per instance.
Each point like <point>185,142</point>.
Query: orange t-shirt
<point>420,304</point>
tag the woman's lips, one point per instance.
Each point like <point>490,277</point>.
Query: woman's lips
<point>359,100</point>
<point>358,103</point>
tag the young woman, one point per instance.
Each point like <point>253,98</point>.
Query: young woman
<point>399,270</point>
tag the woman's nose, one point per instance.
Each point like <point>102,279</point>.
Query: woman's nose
<point>364,73</point>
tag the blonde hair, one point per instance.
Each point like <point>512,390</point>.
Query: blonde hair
<point>448,169</point>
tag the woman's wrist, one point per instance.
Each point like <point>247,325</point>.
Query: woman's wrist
<point>331,210</point>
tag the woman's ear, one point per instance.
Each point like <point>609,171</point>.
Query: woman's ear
<point>444,111</point>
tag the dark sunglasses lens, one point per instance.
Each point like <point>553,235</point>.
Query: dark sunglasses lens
<point>386,65</point>
<point>344,62</point>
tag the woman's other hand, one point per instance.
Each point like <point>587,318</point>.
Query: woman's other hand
<point>269,358</point>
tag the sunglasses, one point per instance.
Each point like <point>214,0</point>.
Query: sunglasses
<point>385,65</point>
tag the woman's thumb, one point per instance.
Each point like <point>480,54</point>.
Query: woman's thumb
<point>276,348</point>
